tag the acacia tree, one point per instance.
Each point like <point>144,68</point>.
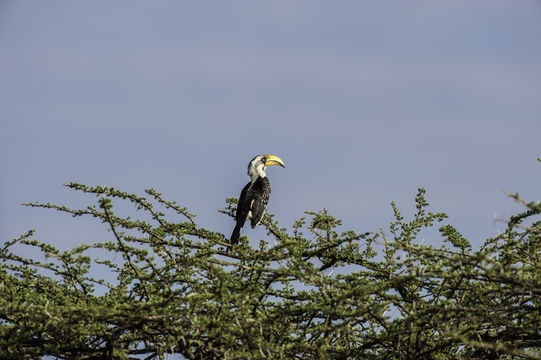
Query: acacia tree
<point>310,292</point>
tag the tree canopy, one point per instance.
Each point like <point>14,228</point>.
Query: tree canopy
<point>162,284</point>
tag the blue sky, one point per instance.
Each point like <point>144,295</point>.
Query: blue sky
<point>364,101</point>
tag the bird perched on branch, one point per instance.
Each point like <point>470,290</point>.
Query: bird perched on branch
<point>255,195</point>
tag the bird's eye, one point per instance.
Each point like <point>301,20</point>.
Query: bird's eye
<point>263,160</point>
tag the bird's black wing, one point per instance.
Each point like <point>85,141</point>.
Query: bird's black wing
<point>261,193</point>
<point>243,208</point>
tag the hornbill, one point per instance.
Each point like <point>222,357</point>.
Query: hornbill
<point>255,195</point>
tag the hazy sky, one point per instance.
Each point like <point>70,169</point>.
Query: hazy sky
<point>364,101</point>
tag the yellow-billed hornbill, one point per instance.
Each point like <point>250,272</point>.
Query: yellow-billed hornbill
<point>255,195</point>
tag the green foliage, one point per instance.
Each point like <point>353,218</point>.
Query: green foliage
<point>313,292</point>
<point>454,237</point>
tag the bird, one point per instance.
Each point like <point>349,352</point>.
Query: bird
<point>255,195</point>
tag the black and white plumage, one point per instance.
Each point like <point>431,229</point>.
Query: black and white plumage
<point>255,195</point>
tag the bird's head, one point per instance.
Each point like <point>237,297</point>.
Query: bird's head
<point>257,166</point>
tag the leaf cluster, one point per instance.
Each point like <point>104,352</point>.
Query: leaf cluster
<point>162,284</point>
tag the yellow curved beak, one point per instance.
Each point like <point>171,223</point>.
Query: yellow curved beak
<point>274,160</point>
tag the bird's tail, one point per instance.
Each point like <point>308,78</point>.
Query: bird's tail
<point>236,234</point>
